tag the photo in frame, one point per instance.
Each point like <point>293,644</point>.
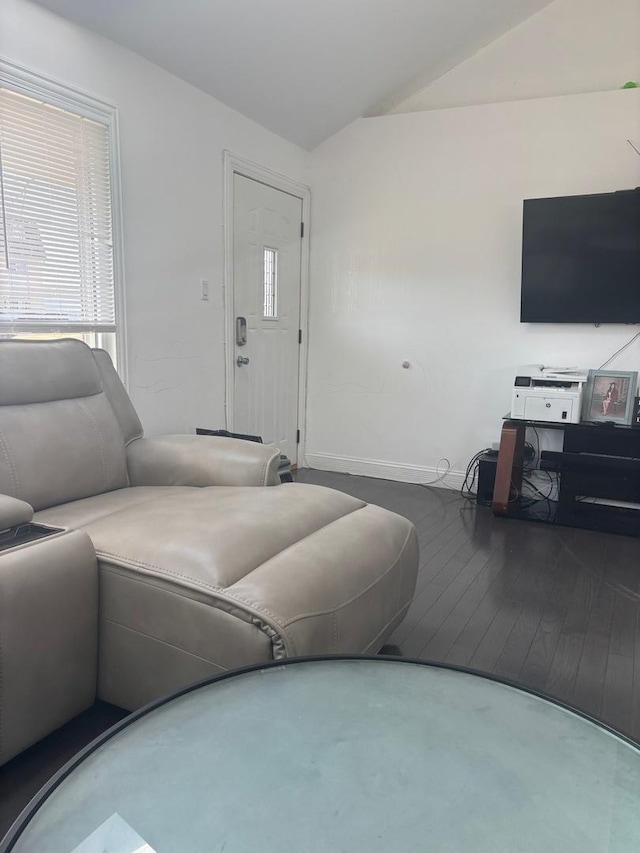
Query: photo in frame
<point>609,396</point>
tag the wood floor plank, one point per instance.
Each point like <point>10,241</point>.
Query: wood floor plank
<point>493,642</point>
<point>470,594</point>
<point>617,707</point>
<point>424,504</point>
<point>539,576</point>
<point>564,666</point>
<point>438,528</point>
<point>518,643</point>
<point>623,625</point>
<point>437,574</point>
<point>480,620</point>
<point>535,669</point>
<point>588,690</point>
<point>443,593</point>
<point>437,553</point>
<point>563,592</point>
<point>537,582</point>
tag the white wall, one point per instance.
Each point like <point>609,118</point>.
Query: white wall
<point>569,47</point>
<point>416,255</point>
<point>171,140</point>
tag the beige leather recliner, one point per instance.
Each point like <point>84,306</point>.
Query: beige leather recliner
<point>200,568</point>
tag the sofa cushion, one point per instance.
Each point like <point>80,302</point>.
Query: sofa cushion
<point>60,439</point>
<point>55,452</point>
<point>78,514</point>
<point>42,371</point>
<point>208,538</point>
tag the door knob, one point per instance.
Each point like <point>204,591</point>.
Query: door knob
<point>242,359</point>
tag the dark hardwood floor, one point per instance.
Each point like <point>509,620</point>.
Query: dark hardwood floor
<point>551,608</point>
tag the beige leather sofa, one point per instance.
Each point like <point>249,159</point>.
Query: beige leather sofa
<point>200,568</point>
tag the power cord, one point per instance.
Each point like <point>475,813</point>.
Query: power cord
<point>537,491</point>
<point>530,463</point>
<point>467,488</point>
<point>532,501</point>
<point>622,349</point>
<point>440,477</point>
<point>538,452</point>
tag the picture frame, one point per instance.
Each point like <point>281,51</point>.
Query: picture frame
<point>609,396</point>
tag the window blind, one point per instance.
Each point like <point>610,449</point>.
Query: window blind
<point>56,246</point>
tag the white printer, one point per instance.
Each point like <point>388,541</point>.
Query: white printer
<point>552,394</point>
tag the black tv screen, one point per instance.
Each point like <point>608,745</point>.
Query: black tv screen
<point>581,259</point>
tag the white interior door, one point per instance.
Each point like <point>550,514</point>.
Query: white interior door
<point>266,296</point>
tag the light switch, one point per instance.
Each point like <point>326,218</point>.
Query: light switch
<point>204,289</point>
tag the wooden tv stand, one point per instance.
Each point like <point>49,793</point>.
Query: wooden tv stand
<point>598,467</point>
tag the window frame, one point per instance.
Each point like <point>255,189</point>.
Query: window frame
<point>34,85</point>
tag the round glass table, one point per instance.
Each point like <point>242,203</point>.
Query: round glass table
<point>344,754</point>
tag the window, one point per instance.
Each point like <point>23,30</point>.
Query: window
<point>270,309</point>
<point>57,263</point>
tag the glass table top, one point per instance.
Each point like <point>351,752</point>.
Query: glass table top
<point>347,755</point>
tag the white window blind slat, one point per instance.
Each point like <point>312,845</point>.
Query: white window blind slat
<point>56,234</point>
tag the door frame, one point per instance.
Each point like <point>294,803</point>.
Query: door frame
<point>232,165</point>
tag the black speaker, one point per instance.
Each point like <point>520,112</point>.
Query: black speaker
<point>486,478</point>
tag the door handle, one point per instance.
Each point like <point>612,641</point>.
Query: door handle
<point>241,359</point>
<point>241,331</point>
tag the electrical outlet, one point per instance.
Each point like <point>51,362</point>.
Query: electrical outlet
<point>204,289</point>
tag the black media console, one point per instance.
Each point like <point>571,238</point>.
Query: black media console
<point>598,476</point>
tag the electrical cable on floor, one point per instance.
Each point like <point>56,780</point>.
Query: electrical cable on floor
<point>532,485</point>
<point>469,491</point>
<point>553,483</point>
<point>530,464</point>
<point>528,501</point>
<point>551,480</point>
<point>440,477</point>
<point>467,488</point>
<point>538,451</point>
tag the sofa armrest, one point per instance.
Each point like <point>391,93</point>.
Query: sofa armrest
<point>49,632</point>
<point>199,460</point>
<point>14,512</point>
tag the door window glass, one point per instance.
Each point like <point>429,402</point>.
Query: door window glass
<point>270,304</point>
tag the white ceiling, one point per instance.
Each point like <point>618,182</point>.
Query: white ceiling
<point>302,68</point>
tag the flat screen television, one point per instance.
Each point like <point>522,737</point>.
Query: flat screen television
<point>581,259</point>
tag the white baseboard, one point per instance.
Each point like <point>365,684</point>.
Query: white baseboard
<point>385,470</point>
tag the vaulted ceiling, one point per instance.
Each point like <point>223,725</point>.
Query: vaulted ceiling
<point>302,68</point>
